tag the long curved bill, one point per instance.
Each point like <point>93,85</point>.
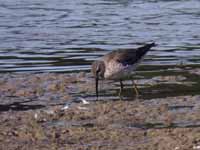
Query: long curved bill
<point>97,92</point>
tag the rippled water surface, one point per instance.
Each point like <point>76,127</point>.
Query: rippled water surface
<point>65,36</point>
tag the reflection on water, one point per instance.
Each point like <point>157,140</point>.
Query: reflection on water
<point>60,36</point>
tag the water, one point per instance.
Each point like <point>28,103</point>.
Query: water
<point>66,35</point>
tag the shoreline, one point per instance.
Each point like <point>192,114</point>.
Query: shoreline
<point>43,111</point>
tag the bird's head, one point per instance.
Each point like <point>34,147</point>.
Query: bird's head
<point>98,70</point>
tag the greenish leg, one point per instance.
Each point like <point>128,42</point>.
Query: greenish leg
<point>135,88</point>
<point>121,89</point>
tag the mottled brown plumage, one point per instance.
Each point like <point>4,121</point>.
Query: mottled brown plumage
<point>118,64</point>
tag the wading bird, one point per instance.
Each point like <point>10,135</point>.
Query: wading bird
<point>119,65</point>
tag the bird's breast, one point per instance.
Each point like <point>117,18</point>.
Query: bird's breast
<point>116,71</point>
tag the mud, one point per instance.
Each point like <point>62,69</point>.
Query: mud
<point>60,111</point>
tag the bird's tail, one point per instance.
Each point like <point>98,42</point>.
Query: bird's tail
<point>144,49</point>
<point>147,46</point>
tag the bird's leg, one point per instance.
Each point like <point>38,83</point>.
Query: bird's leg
<point>135,88</point>
<point>121,88</point>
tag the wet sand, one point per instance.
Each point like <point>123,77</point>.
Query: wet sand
<point>51,111</point>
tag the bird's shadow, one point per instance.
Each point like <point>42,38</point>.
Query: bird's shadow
<point>19,106</point>
<point>163,126</point>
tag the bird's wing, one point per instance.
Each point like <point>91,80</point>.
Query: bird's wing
<point>128,57</point>
<point>124,57</point>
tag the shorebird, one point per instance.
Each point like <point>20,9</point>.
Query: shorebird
<point>119,65</point>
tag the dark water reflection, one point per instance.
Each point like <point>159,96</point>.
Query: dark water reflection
<point>63,36</point>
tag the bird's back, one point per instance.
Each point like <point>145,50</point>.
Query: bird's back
<point>124,60</point>
<point>128,56</point>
